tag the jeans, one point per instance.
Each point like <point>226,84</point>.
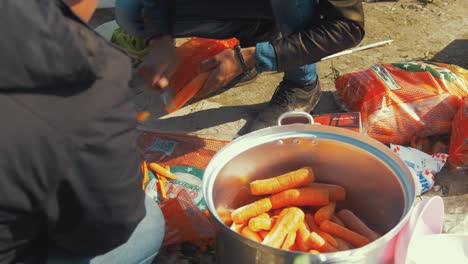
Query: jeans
<point>205,19</point>
<point>142,246</point>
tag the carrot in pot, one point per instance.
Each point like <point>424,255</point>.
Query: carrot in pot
<point>324,213</point>
<point>247,232</point>
<point>283,182</point>
<point>336,220</point>
<point>288,221</point>
<point>314,251</point>
<point>158,169</point>
<point>263,233</point>
<point>352,237</point>
<point>343,244</point>
<point>309,219</point>
<point>307,196</point>
<point>302,237</point>
<point>261,222</point>
<point>319,243</point>
<point>243,214</point>
<point>237,227</point>
<point>290,240</point>
<point>225,214</point>
<point>354,223</point>
<point>337,192</point>
<point>329,238</point>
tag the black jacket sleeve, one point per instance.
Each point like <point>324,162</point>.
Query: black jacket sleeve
<point>340,28</point>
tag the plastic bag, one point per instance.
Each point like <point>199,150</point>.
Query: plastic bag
<point>185,211</point>
<point>422,166</point>
<point>458,149</point>
<point>186,81</point>
<point>400,100</point>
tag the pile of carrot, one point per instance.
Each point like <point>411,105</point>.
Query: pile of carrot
<point>162,173</point>
<point>299,214</point>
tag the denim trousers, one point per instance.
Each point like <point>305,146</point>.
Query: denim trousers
<point>141,248</point>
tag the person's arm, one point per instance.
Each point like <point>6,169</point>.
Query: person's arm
<point>341,27</point>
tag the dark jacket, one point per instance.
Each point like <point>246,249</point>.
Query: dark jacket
<point>69,174</point>
<point>336,25</point>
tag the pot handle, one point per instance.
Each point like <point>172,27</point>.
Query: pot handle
<point>295,117</point>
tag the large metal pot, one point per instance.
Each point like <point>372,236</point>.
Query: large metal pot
<point>380,187</point>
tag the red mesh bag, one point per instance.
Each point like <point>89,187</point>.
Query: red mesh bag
<point>401,100</point>
<point>458,150</point>
<point>184,221</point>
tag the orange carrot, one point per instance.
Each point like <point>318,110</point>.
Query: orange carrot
<point>300,197</point>
<point>247,232</point>
<point>142,116</point>
<point>342,244</point>
<point>352,237</point>
<point>337,220</point>
<point>319,243</point>
<point>313,251</point>
<point>144,171</point>
<point>237,228</point>
<point>261,222</point>
<point>337,193</point>
<point>275,212</point>
<point>225,214</point>
<point>309,219</point>
<point>242,214</point>
<point>283,182</point>
<point>263,233</point>
<point>187,92</point>
<point>324,213</point>
<point>302,237</point>
<point>288,221</point>
<point>353,222</point>
<point>288,243</point>
<point>162,188</point>
<point>158,169</point>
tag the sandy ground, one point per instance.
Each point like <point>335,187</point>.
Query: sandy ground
<point>435,31</point>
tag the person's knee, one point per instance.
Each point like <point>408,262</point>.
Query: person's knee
<point>128,16</point>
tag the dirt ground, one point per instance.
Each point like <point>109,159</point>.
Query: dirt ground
<point>431,30</point>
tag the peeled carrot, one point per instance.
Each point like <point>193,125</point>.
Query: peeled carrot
<point>162,188</point>
<point>283,182</point>
<point>187,92</point>
<point>161,171</point>
<point>144,171</point>
<point>307,196</point>
<point>247,232</point>
<point>302,237</point>
<point>337,193</point>
<point>225,214</point>
<point>288,221</point>
<point>288,243</point>
<point>337,220</point>
<point>309,219</point>
<point>342,244</point>
<point>319,243</point>
<point>263,233</point>
<point>142,116</point>
<point>275,212</point>
<point>313,251</point>
<point>353,222</point>
<point>352,237</point>
<point>237,228</point>
<point>261,222</point>
<point>324,213</point>
<point>329,238</point>
<point>243,214</point>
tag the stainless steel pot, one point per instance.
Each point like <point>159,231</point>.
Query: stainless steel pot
<point>380,188</point>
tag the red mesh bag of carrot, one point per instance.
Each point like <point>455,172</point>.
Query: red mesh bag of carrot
<point>458,150</point>
<point>184,221</point>
<point>400,100</point>
<point>187,81</point>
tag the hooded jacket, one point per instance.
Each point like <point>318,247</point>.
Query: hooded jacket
<point>69,176</point>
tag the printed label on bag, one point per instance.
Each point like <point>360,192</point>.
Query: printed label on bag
<point>165,146</point>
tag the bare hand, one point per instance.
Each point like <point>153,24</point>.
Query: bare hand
<point>160,63</point>
<point>224,67</point>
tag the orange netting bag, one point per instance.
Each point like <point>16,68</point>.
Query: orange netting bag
<point>184,221</point>
<point>458,150</point>
<point>401,100</point>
